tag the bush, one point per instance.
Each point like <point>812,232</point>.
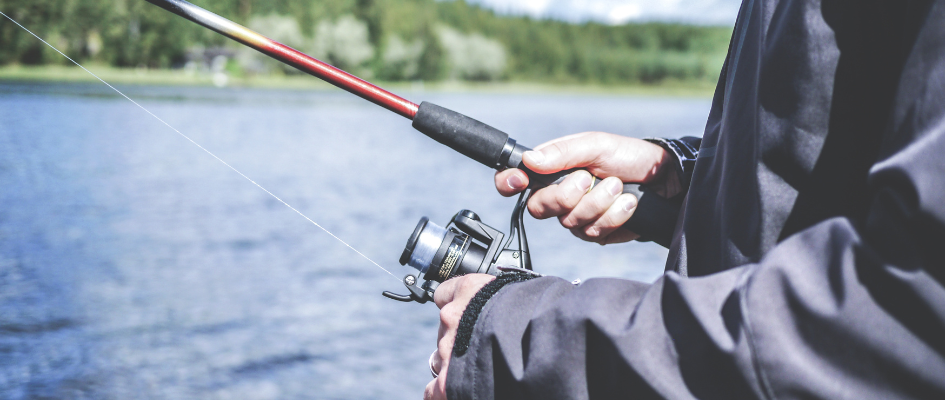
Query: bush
<point>472,56</point>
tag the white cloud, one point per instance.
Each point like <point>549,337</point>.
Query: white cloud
<point>624,13</point>
<point>714,12</point>
<point>530,7</point>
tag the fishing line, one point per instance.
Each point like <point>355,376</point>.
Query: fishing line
<point>201,147</point>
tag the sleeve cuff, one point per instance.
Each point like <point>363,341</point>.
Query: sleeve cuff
<point>468,321</point>
<point>685,150</point>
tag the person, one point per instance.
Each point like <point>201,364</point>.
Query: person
<point>807,256</point>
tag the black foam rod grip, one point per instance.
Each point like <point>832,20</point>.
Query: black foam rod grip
<point>470,137</point>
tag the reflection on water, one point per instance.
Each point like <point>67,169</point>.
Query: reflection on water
<point>133,265</point>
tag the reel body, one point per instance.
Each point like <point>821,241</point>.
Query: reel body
<point>465,246</point>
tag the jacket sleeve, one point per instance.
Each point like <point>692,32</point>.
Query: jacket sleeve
<point>839,310</point>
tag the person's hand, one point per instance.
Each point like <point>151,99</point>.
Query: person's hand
<point>593,216</point>
<point>451,297</point>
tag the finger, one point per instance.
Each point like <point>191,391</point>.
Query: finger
<point>614,217</point>
<point>568,152</point>
<point>511,182</point>
<point>444,350</point>
<point>436,389</point>
<point>445,292</point>
<point>441,331</point>
<point>460,289</point>
<point>603,154</point>
<point>444,347</point>
<point>469,286</point>
<point>428,391</point>
<point>559,199</point>
<point>572,136</point>
<point>450,315</point>
<point>594,204</point>
<point>617,236</point>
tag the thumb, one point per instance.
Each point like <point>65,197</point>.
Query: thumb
<point>565,153</point>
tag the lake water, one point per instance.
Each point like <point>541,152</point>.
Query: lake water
<point>134,265</point>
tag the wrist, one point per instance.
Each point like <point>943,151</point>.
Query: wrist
<point>675,168</point>
<point>663,177</point>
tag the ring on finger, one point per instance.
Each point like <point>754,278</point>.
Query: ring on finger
<point>432,370</point>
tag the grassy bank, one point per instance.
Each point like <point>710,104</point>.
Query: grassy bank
<point>180,77</point>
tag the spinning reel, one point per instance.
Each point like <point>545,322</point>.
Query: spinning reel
<point>465,246</point>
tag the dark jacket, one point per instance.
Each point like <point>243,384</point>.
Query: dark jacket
<point>809,256</point>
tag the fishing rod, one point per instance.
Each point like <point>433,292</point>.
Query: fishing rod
<point>466,245</point>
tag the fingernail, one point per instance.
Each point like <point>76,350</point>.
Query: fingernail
<point>535,157</point>
<point>593,231</point>
<point>583,182</point>
<point>515,182</point>
<point>616,187</point>
<point>630,203</point>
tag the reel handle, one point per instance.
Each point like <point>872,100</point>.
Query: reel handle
<point>421,293</point>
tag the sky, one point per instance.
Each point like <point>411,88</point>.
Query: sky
<point>706,12</point>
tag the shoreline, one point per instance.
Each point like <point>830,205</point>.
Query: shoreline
<point>165,77</point>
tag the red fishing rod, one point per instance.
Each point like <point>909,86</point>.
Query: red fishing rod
<point>290,56</point>
<point>468,136</point>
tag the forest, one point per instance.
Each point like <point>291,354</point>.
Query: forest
<point>392,40</point>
